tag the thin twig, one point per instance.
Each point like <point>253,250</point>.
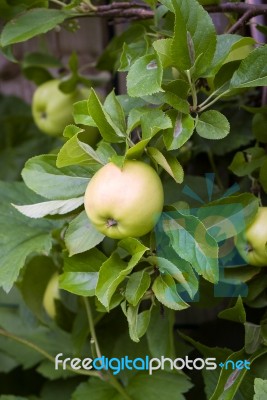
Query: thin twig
<point>92,326</point>
<point>239,8</point>
<point>241,21</point>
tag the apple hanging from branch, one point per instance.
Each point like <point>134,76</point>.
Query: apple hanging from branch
<point>124,202</point>
<point>52,109</point>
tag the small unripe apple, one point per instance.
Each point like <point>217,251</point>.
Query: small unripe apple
<point>124,202</point>
<point>52,110</point>
<point>253,245</point>
<point>51,294</point>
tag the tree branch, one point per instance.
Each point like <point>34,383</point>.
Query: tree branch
<point>241,22</point>
<point>135,10</point>
<point>239,8</point>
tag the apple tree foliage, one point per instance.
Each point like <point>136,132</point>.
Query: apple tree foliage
<point>190,91</point>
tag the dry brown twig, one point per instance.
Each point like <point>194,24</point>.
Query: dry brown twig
<point>136,10</point>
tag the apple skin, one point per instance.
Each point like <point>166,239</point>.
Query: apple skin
<point>51,293</point>
<point>253,246</point>
<point>52,110</point>
<point>124,202</point>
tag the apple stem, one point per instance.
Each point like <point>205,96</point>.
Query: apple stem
<point>111,222</point>
<point>249,247</point>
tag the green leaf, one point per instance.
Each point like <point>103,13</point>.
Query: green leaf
<point>181,131</point>
<point>136,287</point>
<point>260,387</point>
<point>253,337</point>
<point>113,107</point>
<point>236,313</point>
<point>134,117</point>
<point>164,288</point>
<point>40,210</point>
<point>226,48</point>
<point>137,150</point>
<point>37,273</point>
<point>169,163</point>
<point>80,283</point>
<point>43,177</point>
<point>114,270</point>
<point>194,38</point>
<point>95,389</point>
<point>48,371</point>
<point>138,322</point>
<point>259,127</point>
<point>247,161</point>
<point>160,332</point>
<point>81,114</point>
<point>162,385</point>
<point>229,380</point>
<point>18,232</point>
<point>76,152</point>
<point>174,99</point>
<point>212,125</point>
<point>153,121</point>
<point>180,270</point>
<point>81,235</point>
<point>191,241</point>
<point>223,77</point>
<point>263,176</point>
<point>30,24</point>
<point>145,76</point>
<point>81,272</point>
<point>89,261</point>
<point>163,49</point>
<point>131,52</point>
<point>105,152</point>
<point>252,71</point>
<point>108,129</point>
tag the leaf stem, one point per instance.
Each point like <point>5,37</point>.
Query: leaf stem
<point>210,97</point>
<point>58,2</point>
<point>201,108</point>
<point>193,90</point>
<point>44,353</point>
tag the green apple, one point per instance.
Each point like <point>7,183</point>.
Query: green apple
<point>253,246</point>
<point>52,110</point>
<point>51,293</point>
<point>124,202</point>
